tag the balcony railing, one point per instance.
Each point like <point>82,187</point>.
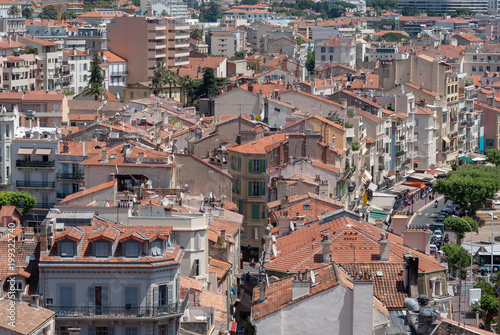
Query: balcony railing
<point>400,153</point>
<point>35,184</point>
<point>35,164</point>
<point>69,176</point>
<point>71,312</point>
<point>44,205</point>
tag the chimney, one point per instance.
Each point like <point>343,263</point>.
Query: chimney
<point>104,154</point>
<point>250,87</point>
<point>300,286</point>
<point>284,224</point>
<point>262,291</point>
<point>65,148</point>
<point>326,243</point>
<point>140,157</point>
<point>333,142</point>
<point>362,304</point>
<point>36,300</point>
<point>418,238</point>
<point>384,247</point>
<point>299,221</point>
<point>410,274</point>
<point>9,40</point>
<point>223,234</point>
<point>399,223</point>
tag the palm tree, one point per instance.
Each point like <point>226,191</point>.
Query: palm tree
<point>158,81</point>
<point>14,11</point>
<point>95,90</point>
<point>171,79</point>
<point>187,82</point>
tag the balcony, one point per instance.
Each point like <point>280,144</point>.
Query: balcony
<point>121,312</point>
<point>412,138</point>
<point>400,153</point>
<point>413,154</point>
<point>34,184</point>
<point>35,164</point>
<point>462,137</point>
<point>70,176</point>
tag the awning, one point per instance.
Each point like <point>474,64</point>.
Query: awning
<point>43,151</point>
<point>466,159</point>
<point>366,177</point>
<point>25,151</point>
<point>373,187</point>
<point>446,139</point>
<point>478,159</point>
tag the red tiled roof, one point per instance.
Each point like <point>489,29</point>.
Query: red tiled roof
<point>218,266</point>
<point>259,146</point>
<point>72,233</point>
<point>90,190</point>
<point>31,318</point>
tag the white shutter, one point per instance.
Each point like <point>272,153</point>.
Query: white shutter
<point>197,241</point>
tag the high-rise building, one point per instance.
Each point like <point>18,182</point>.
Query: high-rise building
<point>143,41</point>
<point>446,6</point>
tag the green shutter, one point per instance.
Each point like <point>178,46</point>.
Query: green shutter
<point>232,162</point>
<point>239,186</point>
<point>250,163</point>
<point>250,188</point>
<point>235,182</point>
<point>262,165</point>
<point>262,189</point>
<point>255,212</point>
<point>239,164</point>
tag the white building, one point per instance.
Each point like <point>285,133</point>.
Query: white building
<point>335,50</point>
<point>5,6</point>
<point>117,72</point>
<point>105,278</point>
<point>360,4</point>
<point>426,129</point>
<point>79,67</point>
<point>9,121</point>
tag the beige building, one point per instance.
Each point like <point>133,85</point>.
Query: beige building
<point>143,41</point>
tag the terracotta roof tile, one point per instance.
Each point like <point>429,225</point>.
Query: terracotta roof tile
<point>218,266</point>
<point>259,146</point>
<point>90,190</point>
<point>30,318</point>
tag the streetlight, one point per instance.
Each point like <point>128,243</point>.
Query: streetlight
<point>456,217</point>
<point>493,218</point>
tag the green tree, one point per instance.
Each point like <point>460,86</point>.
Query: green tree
<point>384,22</point>
<point>27,13</point>
<point>22,200</point>
<point>459,227</point>
<point>171,79</point>
<point>311,61</point>
<point>487,309</point>
<point>458,258</point>
<point>383,4</point>
<point>96,91</point>
<point>187,83</point>
<point>209,87</point>
<point>394,37</point>
<point>464,12</point>
<point>210,12</point>
<point>299,41</point>
<point>69,15</point>
<point>96,73</point>
<point>158,81</point>
<point>486,288</point>
<point>410,11</point>
<point>249,2</point>
<point>238,55</point>
<point>196,34</point>
<point>14,11</point>
<point>494,156</point>
<point>48,13</point>
<point>470,186</point>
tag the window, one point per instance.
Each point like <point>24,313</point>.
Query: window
<point>156,248</point>
<point>256,188</point>
<point>323,58</point>
<point>67,249</point>
<point>323,50</point>
<point>101,249</point>
<point>7,130</point>
<point>132,249</point>
<point>197,240</point>
<point>66,296</point>
<point>174,237</point>
<point>196,266</point>
<point>236,186</point>
<point>131,95</point>
<point>162,295</point>
<point>7,152</point>
<point>256,166</point>
<point>255,212</point>
<point>131,331</point>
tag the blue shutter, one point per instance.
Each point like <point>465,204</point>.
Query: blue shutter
<point>104,296</point>
<point>66,296</point>
<point>91,300</point>
<point>170,329</point>
<point>170,293</point>
<point>156,295</point>
<point>91,330</point>
<point>156,330</point>
<point>111,330</point>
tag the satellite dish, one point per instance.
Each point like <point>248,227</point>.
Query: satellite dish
<point>267,281</point>
<point>275,252</point>
<point>211,195</point>
<point>292,228</point>
<point>313,277</point>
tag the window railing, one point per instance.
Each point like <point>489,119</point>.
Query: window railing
<point>35,184</point>
<point>76,175</point>
<point>36,164</point>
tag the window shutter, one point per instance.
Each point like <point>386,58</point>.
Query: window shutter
<point>235,183</point>
<point>250,188</point>
<point>239,164</point>
<point>255,212</point>
<point>250,165</point>
<point>104,294</point>
<point>170,293</point>
<point>91,330</point>
<point>91,299</point>
<point>58,329</point>
<point>155,296</point>
<point>170,329</point>
<point>111,330</point>
<point>262,165</point>
<point>262,188</point>
<point>156,330</point>
<point>66,296</point>
<point>178,288</point>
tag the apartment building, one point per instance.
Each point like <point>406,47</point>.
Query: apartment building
<point>335,50</point>
<point>248,163</point>
<point>221,43</point>
<point>117,72</point>
<point>38,108</point>
<point>491,125</point>
<point>50,62</point>
<point>9,122</point>
<point>78,65</point>
<point>19,73</point>
<point>143,41</point>
<point>476,61</point>
<point>468,119</point>
<point>105,278</point>
<point>426,127</point>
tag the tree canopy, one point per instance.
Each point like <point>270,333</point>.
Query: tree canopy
<point>494,156</point>
<point>48,13</point>
<point>27,13</point>
<point>196,34</point>
<point>209,87</point>
<point>311,61</point>
<point>394,37</point>
<point>95,86</point>
<point>22,200</point>
<point>410,11</point>
<point>487,309</point>
<point>457,257</point>
<point>383,4</point>
<point>470,186</point>
<point>211,12</point>
<point>159,79</point>
<point>458,225</point>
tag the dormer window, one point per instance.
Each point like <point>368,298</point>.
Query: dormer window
<point>101,249</point>
<point>67,249</point>
<point>156,248</point>
<point>131,249</point>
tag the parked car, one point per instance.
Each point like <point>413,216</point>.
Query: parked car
<point>438,234</point>
<point>433,250</point>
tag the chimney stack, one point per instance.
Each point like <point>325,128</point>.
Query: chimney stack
<point>333,142</point>
<point>284,224</point>
<point>267,243</point>
<point>262,291</point>
<point>140,157</point>
<point>418,238</point>
<point>326,249</point>
<point>299,221</point>
<point>384,247</point>
<point>104,154</point>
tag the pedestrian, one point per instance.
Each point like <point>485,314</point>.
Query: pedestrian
<point>252,263</point>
